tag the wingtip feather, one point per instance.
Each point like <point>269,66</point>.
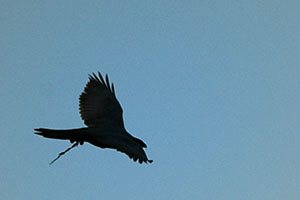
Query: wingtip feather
<point>101,77</point>
<point>107,82</point>
<point>113,89</point>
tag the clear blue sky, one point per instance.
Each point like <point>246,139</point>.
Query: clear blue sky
<point>212,87</point>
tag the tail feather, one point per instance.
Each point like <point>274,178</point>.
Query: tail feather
<point>69,134</point>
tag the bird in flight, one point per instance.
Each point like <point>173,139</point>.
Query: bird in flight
<point>103,115</point>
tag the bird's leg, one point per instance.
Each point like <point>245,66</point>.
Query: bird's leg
<point>80,142</point>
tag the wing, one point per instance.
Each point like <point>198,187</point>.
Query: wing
<point>98,103</point>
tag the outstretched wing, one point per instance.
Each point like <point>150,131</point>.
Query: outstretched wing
<point>98,103</point>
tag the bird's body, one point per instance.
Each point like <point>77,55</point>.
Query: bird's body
<point>102,113</point>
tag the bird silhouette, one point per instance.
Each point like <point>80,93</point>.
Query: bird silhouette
<point>102,113</point>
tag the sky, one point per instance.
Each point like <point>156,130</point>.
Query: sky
<point>212,87</point>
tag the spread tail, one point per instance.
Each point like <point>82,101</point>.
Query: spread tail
<point>69,134</point>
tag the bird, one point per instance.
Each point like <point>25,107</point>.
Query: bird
<point>103,116</point>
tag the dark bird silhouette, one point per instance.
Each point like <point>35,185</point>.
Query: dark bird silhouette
<point>102,113</point>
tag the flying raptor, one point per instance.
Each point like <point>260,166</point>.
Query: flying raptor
<point>103,115</point>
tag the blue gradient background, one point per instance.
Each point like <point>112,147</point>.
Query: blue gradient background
<point>212,87</point>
